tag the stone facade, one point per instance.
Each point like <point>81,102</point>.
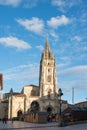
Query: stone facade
<point>81,104</point>
<point>42,98</point>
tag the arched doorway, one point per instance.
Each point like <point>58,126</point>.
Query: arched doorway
<point>49,110</point>
<point>49,113</point>
<point>19,113</point>
<point>34,106</point>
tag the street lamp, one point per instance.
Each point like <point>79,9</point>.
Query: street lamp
<point>59,95</point>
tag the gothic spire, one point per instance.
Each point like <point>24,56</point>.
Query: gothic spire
<point>47,45</point>
<point>11,91</point>
<point>47,54</point>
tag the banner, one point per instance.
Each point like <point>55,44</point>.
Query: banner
<point>1,81</point>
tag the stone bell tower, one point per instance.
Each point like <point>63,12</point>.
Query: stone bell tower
<point>47,76</point>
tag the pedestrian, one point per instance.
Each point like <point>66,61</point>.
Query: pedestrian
<point>12,120</point>
<point>3,120</point>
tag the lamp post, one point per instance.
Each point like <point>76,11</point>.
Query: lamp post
<point>59,95</point>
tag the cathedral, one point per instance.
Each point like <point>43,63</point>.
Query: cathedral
<point>32,98</point>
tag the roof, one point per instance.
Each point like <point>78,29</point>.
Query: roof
<point>85,102</point>
<point>20,95</point>
<point>79,108</point>
<point>31,85</point>
<point>75,109</point>
<point>4,101</point>
<point>8,94</point>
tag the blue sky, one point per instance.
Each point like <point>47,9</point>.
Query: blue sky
<point>24,25</point>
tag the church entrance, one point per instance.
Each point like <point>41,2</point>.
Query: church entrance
<point>19,113</point>
<point>49,113</point>
<point>34,106</point>
<point>49,110</point>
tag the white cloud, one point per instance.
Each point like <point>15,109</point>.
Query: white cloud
<point>65,58</point>
<point>21,75</point>
<point>84,49</point>
<point>54,35</point>
<point>77,72</point>
<point>35,24</point>
<point>58,2</point>
<point>14,42</point>
<point>61,4</point>
<point>40,47</point>
<point>55,22</point>
<point>21,72</point>
<point>29,4</point>
<point>61,65</point>
<point>64,62</point>
<point>77,38</point>
<point>75,77</point>
<point>13,3</point>
<point>64,5</point>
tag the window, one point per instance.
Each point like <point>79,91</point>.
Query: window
<point>33,93</point>
<point>49,78</point>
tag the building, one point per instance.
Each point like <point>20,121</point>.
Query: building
<point>74,113</point>
<point>43,98</point>
<point>81,104</point>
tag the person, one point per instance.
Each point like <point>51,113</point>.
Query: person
<point>3,120</point>
<point>12,120</point>
<point>50,118</point>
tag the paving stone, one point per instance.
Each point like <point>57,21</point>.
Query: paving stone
<point>18,125</point>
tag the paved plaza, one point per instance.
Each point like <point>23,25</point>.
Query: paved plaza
<point>18,125</point>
